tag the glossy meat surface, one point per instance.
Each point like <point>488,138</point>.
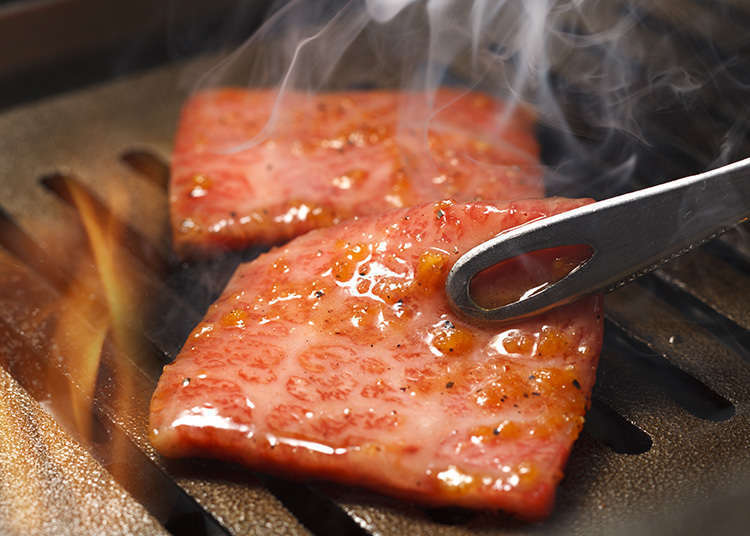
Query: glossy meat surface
<point>337,356</point>
<point>248,168</point>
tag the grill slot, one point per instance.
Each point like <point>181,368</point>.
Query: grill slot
<point>378,514</point>
<point>171,496</point>
<point>734,336</point>
<point>148,165</point>
<point>151,263</point>
<point>692,348</point>
<point>32,365</point>
<point>691,394</point>
<point>612,429</point>
<point>733,247</point>
<point>713,282</point>
<point>58,487</point>
<point>384,514</point>
<point>16,241</point>
<point>69,189</point>
<point>673,382</point>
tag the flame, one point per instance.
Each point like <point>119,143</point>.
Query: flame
<point>98,313</point>
<point>80,344</point>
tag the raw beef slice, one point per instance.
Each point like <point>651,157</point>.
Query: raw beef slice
<point>337,356</point>
<point>248,168</point>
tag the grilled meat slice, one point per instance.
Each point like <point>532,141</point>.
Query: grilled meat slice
<point>337,356</point>
<point>250,168</point>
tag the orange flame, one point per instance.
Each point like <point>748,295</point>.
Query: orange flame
<point>105,294</point>
<point>81,344</point>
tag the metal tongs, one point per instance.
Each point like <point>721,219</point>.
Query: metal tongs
<point>629,235</point>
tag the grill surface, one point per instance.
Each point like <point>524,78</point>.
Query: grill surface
<point>674,373</point>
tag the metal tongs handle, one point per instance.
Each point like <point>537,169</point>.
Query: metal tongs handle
<point>630,235</point>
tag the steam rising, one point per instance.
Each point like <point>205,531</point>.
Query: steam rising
<point>588,69</point>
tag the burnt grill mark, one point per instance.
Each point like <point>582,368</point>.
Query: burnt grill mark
<point>148,165</point>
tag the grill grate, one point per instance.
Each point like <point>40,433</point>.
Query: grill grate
<point>669,428</point>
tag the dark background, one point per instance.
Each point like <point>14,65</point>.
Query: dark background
<point>51,46</point>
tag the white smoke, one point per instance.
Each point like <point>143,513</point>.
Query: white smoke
<point>585,67</point>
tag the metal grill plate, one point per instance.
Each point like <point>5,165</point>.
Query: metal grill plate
<point>692,460</point>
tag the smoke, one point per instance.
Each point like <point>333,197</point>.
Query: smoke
<point>596,73</point>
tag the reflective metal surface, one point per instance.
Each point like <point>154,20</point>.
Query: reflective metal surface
<point>687,483</point>
<point>630,235</point>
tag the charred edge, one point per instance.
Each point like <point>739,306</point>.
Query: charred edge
<point>609,427</point>
<point>317,512</point>
<point>687,391</point>
<point>134,242</point>
<point>732,335</point>
<point>25,249</point>
<point>148,165</point>
<point>145,481</point>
